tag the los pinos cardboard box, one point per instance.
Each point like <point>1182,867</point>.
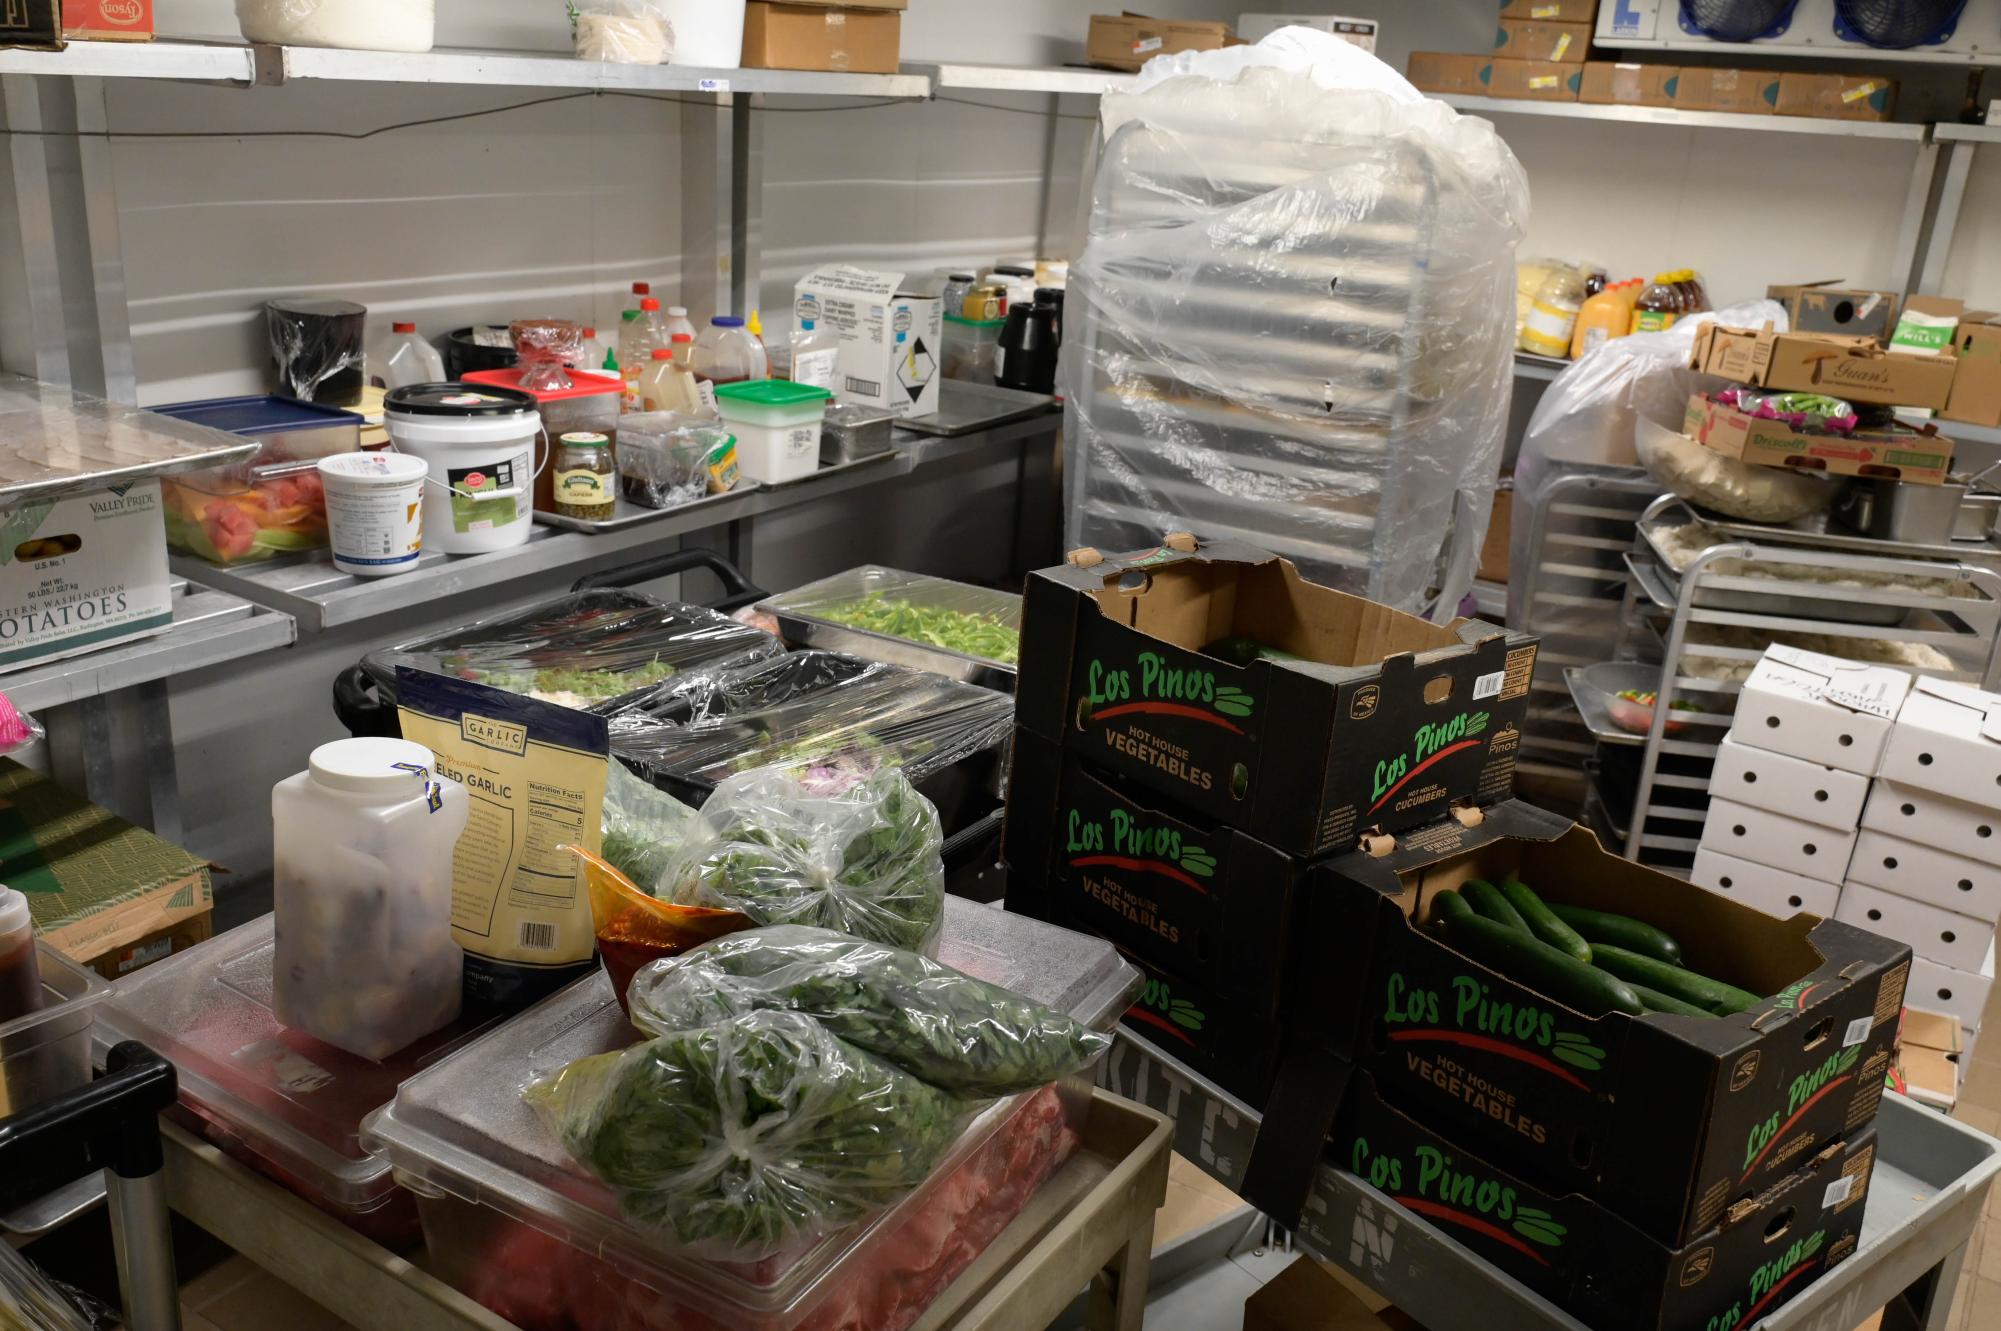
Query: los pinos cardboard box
<point>1351,717</point>
<point>1667,1121</point>
<point>1897,454</point>
<point>82,573</point>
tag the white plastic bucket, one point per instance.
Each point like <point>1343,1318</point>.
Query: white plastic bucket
<point>480,445</point>
<point>375,511</point>
<point>365,25</point>
<point>706,32</point>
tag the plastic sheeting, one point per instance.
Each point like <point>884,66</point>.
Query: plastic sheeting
<point>1293,320</point>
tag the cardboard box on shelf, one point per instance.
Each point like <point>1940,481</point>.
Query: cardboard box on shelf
<point>1837,96</point>
<point>1957,993</point>
<point>95,883</point>
<point>1370,720</point>
<point>1607,83</point>
<point>1854,368</point>
<point>1750,92</point>
<point>1358,31</point>
<point>108,20</point>
<point>841,41</point>
<point>1764,837</point>
<point>1776,892</point>
<point>1127,41</point>
<point>1309,1296</point>
<point>890,338</point>
<point>1535,40</point>
<point>1821,709</point>
<point>1926,325</point>
<point>1448,71</point>
<point>156,946</point>
<point>853,4</point>
<point>32,24</point>
<point>1958,941</point>
<point>1551,11</point>
<point>84,573</point>
<point>1792,786</point>
<point>1916,457</point>
<point>1582,1255</point>
<point>1664,1122</point>
<point>1931,1055</point>
<point>1923,873</point>
<point>1947,740</point>
<point>1532,80</point>
<point>1951,825</point>
<point>1828,307</point>
<point>1976,380</point>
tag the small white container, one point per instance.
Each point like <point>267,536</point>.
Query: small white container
<point>777,427</point>
<point>480,444</point>
<point>705,32</point>
<point>375,511</point>
<point>362,896</point>
<point>362,25</point>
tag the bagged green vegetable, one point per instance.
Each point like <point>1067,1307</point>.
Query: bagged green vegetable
<point>645,829</point>
<point>743,1137</point>
<point>867,860</point>
<point>953,1031</point>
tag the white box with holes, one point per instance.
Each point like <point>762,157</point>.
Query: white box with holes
<point>1923,873</point>
<point>1948,741</point>
<point>1944,989</point>
<point>1933,820</point>
<point>1772,839</point>
<point>1773,891</point>
<point>1788,785</point>
<point>1958,941</point>
<point>1820,708</point>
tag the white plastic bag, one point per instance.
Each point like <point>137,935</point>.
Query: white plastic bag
<point>1732,488</point>
<point>622,32</point>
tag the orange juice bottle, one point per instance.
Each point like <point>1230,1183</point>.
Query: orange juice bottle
<point>1607,315</point>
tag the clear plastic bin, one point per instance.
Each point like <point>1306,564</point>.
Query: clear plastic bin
<point>590,405</point>
<point>972,349</point>
<point>280,1101</point>
<point>47,1051</point>
<point>513,1222</point>
<point>271,505</point>
<point>777,427</point>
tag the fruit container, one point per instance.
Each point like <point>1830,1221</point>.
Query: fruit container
<point>46,1052</point>
<point>589,405</point>
<point>280,1101</point>
<point>513,1223</point>
<point>270,505</point>
<point>1624,691</point>
<point>777,427</point>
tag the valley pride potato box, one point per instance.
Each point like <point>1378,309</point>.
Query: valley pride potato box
<point>1218,677</point>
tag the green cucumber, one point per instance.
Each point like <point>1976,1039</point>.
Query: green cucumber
<point>1448,906</point>
<point>1529,961</point>
<point>1712,995</point>
<point>1657,1001</point>
<point>1543,921</point>
<point>1487,899</point>
<point>1622,931</point>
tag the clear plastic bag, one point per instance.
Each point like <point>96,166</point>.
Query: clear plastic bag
<point>30,1301</point>
<point>545,350</point>
<point>952,616</point>
<point>664,457</point>
<point>18,730</point>
<point>592,650</point>
<point>866,859</point>
<point>622,32</point>
<point>645,829</point>
<point>957,1033</point>
<point>746,1136</point>
<point>1735,489</point>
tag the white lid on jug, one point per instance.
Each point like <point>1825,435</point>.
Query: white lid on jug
<point>371,766</point>
<point>14,917</point>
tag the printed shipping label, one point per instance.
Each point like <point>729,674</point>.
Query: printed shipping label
<point>1859,91</point>
<point>1544,81</point>
<point>1837,1192</point>
<point>1562,46</point>
<point>1147,45</point>
<point>1486,686</point>
<point>1858,1031</point>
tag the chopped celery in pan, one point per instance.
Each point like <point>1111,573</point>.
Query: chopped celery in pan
<point>961,631</point>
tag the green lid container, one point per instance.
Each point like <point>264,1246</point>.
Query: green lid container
<point>771,402</point>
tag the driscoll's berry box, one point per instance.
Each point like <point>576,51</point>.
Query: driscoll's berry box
<point>1215,675</point>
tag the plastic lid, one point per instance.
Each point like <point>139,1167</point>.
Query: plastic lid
<point>678,311</point>
<point>590,332</point>
<point>630,316</point>
<point>264,413</point>
<point>649,305</point>
<point>808,325</point>
<point>682,337</point>
<point>755,324</point>
<point>1013,271</point>
<point>642,288</point>
<point>402,328</point>
<point>14,916</point>
<point>662,353</point>
<point>772,393</point>
<point>584,439</point>
<point>965,277</point>
<point>462,399</point>
<point>1049,295</point>
<point>370,766</point>
<point>581,385</point>
<point>726,321</point>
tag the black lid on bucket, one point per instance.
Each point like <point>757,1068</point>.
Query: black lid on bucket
<point>459,400</point>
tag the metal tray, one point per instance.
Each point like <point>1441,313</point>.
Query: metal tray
<point>1820,531</point>
<point>1784,604</point>
<point>871,460</point>
<point>1592,709</point>
<point>810,630</point>
<point>965,406</point>
<point>55,443</point>
<point>628,514</point>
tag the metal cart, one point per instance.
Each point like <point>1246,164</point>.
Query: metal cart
<point>1649,791</point>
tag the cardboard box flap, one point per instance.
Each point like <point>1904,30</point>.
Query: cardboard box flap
<point>1984,705</point>
<point>1869,689</point>
<point>1932,1030</point>
<point>855,281</point>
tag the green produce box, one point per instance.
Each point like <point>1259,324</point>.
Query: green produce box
<point>1375,720</point>
<point>1759,1254</point>
<point>1670,1121</point>
<point>1192,897</point>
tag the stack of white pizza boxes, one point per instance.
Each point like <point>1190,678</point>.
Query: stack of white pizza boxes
<point>1792,778</point>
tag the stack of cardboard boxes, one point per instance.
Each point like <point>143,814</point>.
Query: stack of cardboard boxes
<point>1538,53</point>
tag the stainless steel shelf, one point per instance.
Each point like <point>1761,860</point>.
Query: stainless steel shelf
<point>210,627</point>
<point>1951,133</point>
<point>1828,49</point>
<point>320,597</point>
<point>1528,365</point>
<point>520,69</point>
<point>1017,78</point>
<point>187,61</point>
<point>1659,115</point>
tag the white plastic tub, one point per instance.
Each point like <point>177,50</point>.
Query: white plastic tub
<point>777,427</point>
<point>480,444</point>
<point>375,511</point>
<point>363,25</point>
<point>706,32</point>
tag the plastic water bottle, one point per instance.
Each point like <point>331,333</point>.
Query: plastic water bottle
<point>816,354</point>
<point>404,358</point>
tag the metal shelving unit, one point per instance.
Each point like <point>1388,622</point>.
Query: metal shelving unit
<point>1020,78</point>
<point>1668,116</point>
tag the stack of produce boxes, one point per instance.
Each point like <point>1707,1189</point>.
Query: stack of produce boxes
<point>1199,728</point>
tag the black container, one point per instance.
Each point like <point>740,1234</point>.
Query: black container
<point>316,349</point>
<point>1028,347</point>
<point>463,355</point>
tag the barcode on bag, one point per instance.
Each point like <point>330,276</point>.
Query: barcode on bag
<point>1837,1191</point>
<point>537,936</point>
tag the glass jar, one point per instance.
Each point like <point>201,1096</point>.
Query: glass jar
<point>586,476</point>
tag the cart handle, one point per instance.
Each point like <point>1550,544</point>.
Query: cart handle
<point>738,589</point>
<point>111,1123</point>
